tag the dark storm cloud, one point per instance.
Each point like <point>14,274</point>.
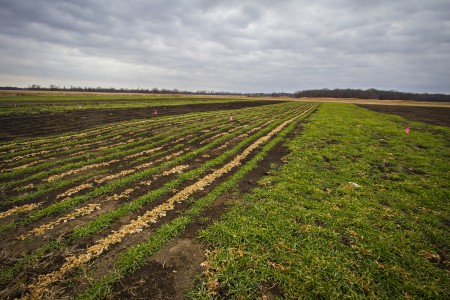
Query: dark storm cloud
<point>227,45</point>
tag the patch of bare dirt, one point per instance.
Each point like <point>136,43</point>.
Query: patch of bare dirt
<point>432,115</point>
<point>168,274</point>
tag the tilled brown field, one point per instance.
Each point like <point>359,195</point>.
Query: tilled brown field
<point>433,115</point>
<point>112,211</point>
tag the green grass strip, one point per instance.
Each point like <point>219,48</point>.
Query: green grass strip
<point>309,233</point>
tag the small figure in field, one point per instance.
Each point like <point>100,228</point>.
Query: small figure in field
<point>231,117</point>
<point>407,130</point>
<point>155,112</point>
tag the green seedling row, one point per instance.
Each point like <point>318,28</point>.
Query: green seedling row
<point>207,166</point>
<point>137,256</point>
<point>54,186</point>
<point>120,148</point>
<point>70,202</point>
<point>102,134</point>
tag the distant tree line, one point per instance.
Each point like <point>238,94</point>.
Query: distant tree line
<point>319,93</point>
<point>371,94</point>
<point>52,87</point>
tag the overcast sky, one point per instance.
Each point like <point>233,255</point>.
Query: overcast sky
<point>242,46</point>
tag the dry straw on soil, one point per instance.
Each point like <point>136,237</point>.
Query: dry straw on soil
<point>18,209</point>
<point>83,211</point>
<point>71,172</point>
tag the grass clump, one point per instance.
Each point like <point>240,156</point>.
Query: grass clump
<point>309,232</point>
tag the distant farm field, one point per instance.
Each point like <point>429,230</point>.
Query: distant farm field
<point>221,198</point>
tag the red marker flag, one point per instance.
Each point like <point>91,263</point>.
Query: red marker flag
<point>407,130</point>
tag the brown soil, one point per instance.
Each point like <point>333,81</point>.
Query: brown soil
<point>433,115</point>
<point>20,126</point>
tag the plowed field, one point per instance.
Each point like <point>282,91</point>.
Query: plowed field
<point>86,206</point>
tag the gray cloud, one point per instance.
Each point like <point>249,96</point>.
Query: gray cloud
<point>227,45</point>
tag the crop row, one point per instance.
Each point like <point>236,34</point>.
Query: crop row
<point>172,172</point>
<point>100,155</point>
<point>93,137</point>
<point>137,256</point>
<point>27,183</point>
<point>110,187</point>
<point>106,134</point>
